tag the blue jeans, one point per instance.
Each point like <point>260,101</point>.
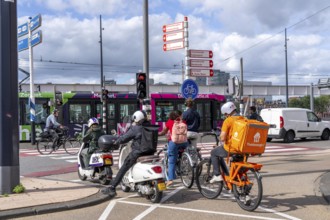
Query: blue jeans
<point>173,151</point>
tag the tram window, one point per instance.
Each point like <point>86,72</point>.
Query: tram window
<point>111,111</point>
<point>163,109</point>
<point>40,113</point>
<point>181,107</point>
<point>99,111</point>
<point>126,110</point>
<point>199,108</point>
<point>79,113</point>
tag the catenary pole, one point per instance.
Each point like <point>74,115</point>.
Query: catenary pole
<point>9,141</point>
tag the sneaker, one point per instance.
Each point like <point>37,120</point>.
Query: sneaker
<point>216,179</point>
<point>110,191</point>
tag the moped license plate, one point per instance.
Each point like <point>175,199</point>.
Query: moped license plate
<point>107,161</point>
<point>161,186</point>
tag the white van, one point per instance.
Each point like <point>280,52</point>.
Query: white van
<point>291,123</point>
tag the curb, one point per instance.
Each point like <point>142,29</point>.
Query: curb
<point>55,207</point>
<point>325,187</point>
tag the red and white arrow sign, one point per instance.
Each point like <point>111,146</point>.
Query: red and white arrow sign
<point>173,46</point>
<point>200,63</point>
<point>173,27</point>
<point>174,36</point>
<point>200,53</point>
<point>201,72</point>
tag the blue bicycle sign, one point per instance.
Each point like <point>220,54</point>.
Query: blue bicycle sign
<point>189,89</point>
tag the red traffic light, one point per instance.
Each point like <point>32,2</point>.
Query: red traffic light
<point>141,85</point>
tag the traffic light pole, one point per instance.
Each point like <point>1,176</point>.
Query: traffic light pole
<point>9,142</point>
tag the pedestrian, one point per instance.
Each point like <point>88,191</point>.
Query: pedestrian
<point>254,115</point>
<point>173,148</point>
<point>91,138</point>
<point>134,133</point>
<point>192,118</point>
<point>218,153</point>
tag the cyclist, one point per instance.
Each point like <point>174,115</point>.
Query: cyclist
<point>52,125</point>
<point>173,148</point>
<point>218,153</point>
<point>192,118</point>
<point>91,137</point>
<point>134,133</point>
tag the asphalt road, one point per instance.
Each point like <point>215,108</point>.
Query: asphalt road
<point>291,174</point>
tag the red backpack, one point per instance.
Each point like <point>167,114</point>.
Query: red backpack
<point>179,132</point>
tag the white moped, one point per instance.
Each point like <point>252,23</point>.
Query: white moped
<point>146,176</point>
<point>100,163</point>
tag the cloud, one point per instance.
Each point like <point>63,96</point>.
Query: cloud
<point>252,30</point>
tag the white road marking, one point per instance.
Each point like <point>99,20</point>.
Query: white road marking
<point>284,149</point>
<point>154,206</point>
<point>279,213</point>
<point>109,208</point>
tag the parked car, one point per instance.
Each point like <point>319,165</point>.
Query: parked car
<point>291,123</point>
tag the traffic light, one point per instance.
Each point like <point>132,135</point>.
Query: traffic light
<point>141,85</point>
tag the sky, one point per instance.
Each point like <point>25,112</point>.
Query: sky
<point>253,31</point>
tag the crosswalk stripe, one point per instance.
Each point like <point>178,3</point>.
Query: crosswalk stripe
<point>288,149</point>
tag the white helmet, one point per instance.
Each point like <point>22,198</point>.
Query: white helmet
<point>92,121</point>
<point>139,117</point>
<point>228,108</point>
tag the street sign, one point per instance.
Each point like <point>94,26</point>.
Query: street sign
<point>189,89</point>
<point>200,63</point>
<point>173,36</point>
<point>201,72</point>
<point>22,30</point>
<point>173,46</point>
<point>200,53</point>
<point>36,38</point>
<point>24,43</point>
<point>173,27</point>
<point>35,22</point>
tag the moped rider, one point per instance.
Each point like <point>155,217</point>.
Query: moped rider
<point>91,137</point>
<point>134,133</point>
<point>218,153</point>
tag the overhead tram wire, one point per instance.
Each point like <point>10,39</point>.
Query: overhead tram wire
<point>291,26</point>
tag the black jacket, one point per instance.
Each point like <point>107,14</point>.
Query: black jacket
<point>192,118</point>
<point>134,133</point>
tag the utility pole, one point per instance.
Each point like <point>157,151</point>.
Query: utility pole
<point>241,104</point>
<point>9,142</point>
<point>286,72</point>
<point>104,101</point>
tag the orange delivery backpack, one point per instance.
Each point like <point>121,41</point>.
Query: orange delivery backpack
<point>248,136</point>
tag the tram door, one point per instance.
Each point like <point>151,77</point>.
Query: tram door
<point>204,110</point>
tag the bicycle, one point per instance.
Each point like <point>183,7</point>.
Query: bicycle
<point>243,179</point>
<point>185,165</point>
<point>46,142</point>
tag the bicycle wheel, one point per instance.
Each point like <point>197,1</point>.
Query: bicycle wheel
<point>71,147</point>
<point>165,165</point>
<point>249,196</point>
<point>187,173</point>
<point>203,176</point>
<point>45,146</point>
